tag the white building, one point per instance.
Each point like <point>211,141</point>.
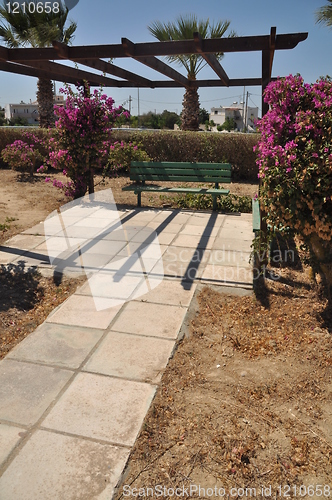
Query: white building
<point>238,113</point>
<point>28,111</point>
<point>23,110</point>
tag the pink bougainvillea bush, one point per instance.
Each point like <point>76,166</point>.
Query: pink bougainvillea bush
<point>294,157</point>
<point>82,139</point>
<point>23,155</point>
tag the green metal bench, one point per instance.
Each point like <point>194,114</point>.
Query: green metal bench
<point>142,171</point>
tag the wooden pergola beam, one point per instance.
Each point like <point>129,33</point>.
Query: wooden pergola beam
<point>213,46</point>
<point>20,69</point>
<point>65,72</point>
<point>154,63</point>
<point>211,60</point>
<point>104,66</point>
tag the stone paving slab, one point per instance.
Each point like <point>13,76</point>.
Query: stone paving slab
<point>122,355</point>
<point>152,320</point>
<point>26,390</point>
<point>103,408</point>
<point>25,242</point>
<point>57,467</point>
<point>57,345</point>
<point>80,310</point>
<point>231,275</point>
<point>171,293</point>
<point>9,437</point>
<point>223,257</point>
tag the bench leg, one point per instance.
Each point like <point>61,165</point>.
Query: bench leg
<point>214,202</point>
<point>139,203</point>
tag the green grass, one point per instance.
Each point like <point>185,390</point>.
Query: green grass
<point>6,225</point>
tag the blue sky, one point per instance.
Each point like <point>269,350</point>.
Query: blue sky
<point>107,21</point>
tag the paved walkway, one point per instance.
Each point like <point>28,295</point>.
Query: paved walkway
<point>74,394</point>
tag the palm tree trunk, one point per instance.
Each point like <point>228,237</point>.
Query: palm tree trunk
<point>190,110</point>
<point>45,103</point>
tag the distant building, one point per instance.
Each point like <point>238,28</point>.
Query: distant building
<point>29,111</point>
<point>237,112</point>
<point>23,110</point>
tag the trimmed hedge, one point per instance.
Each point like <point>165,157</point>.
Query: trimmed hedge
<point>233,148</point>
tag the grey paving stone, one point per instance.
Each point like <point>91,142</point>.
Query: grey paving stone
<point>155,320</point>
<point>53,467</point>
<point>38,229</point>
<point>232,275</point>
<point>60,345</point>
<point>100,407</point>
<point>228,257</point>
<point>9,437</point>
<point>185,254</point>
<point>236,244</point>
<point>171,227</point>
<point>242,233</point>
<point>8,255</point>
<point>131,356</point>
<point>25,241</point>
<point>26,390</point>
<point>189,241</point>
<point>169,292</point>
<point>192,230</point>
<point>80,310</point>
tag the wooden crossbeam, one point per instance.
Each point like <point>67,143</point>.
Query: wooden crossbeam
<point>154,63</point>
<point>104,66</point>
<point>212,46</point>
<point>65,71</point>
<point>211,60</point>
<point>21,69</point>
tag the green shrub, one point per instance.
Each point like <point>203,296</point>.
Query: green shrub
<point>228,203</point>
<point>235,148</point>
<point>122,154</point>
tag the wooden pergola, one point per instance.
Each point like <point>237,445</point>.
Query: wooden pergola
<point>39,62</point>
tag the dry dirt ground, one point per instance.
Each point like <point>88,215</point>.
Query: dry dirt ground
<point>246,401</point>
<point>245,405</point>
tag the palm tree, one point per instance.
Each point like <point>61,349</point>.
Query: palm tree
<point>21,28</point>
<point>183,29</point>
<point>324,14</point>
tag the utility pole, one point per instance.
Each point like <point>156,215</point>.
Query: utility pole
<point>130,99</point>
<point>246,115</point>
<point>243,123</point>
<point>138,107</point>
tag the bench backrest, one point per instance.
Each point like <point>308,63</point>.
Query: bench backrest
<point>180,172</point>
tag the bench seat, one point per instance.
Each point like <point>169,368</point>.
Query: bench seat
<point>216,173</point>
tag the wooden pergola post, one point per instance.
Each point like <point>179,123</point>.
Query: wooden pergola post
<point>267,62</point>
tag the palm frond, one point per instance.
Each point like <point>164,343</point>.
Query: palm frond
<point>37,29</point>
<point>183,28</point>
<point>324,14</point>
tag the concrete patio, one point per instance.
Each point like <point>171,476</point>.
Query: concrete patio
<point>74,393</point>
